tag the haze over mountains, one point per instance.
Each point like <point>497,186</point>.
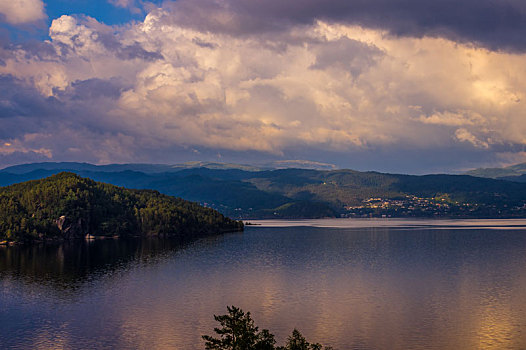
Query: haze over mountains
<point>160,168</point>
<point>515,172</point>
<point>242,191</point>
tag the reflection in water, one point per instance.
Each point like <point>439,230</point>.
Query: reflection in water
<point>71,263</point>
<point>367,288</point>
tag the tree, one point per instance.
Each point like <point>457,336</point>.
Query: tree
<point>297,342</point>
<point>238,332</point>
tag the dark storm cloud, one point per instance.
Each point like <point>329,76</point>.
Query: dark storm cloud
<point>93,89</point>
<point>71,125</point>
<point>38,49</point>
<point>137,51</point>
<point>21,100</point>
<point>496,25</point>
<point>204,43</point>
<point>21,158</point>
<point>23,109</point>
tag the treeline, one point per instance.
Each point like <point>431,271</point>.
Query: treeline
<point>67,206</point>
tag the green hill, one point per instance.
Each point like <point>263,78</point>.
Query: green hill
<point>67,206</point>
<point>309,193</point>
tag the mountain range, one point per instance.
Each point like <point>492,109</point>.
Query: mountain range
<point>515,173</point>
<point>241,191</point>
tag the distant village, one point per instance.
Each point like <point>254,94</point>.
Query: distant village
<point>428,207</point>
<point>408,206</point>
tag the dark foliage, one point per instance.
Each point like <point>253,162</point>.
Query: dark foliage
<point>238,332</point>
<point>67,206</point>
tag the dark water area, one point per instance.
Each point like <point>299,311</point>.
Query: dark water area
<point>351,288</point>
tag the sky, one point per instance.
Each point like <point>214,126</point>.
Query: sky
<point>407,86</point>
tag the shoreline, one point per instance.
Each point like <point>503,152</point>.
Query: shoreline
<point>394,222</point>
<point>91,238</point>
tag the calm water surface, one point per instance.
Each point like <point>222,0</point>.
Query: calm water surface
<point>423,285</point>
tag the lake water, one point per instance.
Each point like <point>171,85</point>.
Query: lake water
<point>351,284</point>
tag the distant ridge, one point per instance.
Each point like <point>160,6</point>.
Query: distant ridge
<point>75,166</point>
<point>303,164</point>
<point>304,193</point>
<point>162,168</point>
<point>216,165</point>
<point>506,173</point>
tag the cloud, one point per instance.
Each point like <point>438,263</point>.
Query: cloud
<point>450,118</point>
<point>22,11</point>
<point>464,135</point>
<point>7,149</point>
<point>496,25</point>
<point>122,3</point>
<point>132,5</point>
<point>170,85</point>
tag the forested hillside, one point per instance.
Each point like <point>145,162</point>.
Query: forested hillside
<point>67,206</point>
<point>308,193</point>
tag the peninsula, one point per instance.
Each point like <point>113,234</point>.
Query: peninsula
<point>67,206</point>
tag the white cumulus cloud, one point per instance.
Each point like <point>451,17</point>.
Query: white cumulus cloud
<point>22,11</point>
<point>156,84</point>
